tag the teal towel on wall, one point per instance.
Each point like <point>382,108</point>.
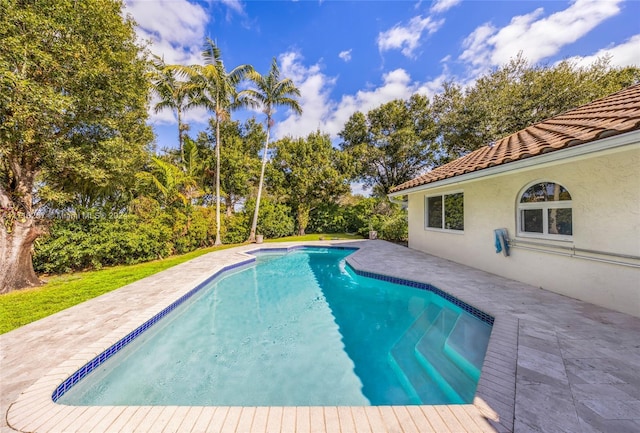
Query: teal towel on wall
<point>501,241</point>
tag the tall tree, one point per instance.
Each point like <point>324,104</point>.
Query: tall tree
<point>73,95</point>
<point>239,169</point>
<point>216,90</point>
<point>392,143</point>
<point>517,95</point>
<point>173,93</point>
<point>270,92</point>
<point>305,173</point>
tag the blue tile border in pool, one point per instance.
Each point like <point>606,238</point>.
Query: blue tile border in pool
<point>487,318</point>
<point>115,348</point>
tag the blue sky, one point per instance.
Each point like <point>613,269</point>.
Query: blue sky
<point>348,56</point>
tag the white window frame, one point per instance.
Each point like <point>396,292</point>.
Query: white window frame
<point>545,206</point>
<point>444,213</point>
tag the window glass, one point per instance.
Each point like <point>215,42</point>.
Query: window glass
<point>546,209</point>
<point>532,221</point>
<point>545,191</point>
<point>434,212</point>
<point>454,211</point>
<point>560,221</point>
<point>445,212</point>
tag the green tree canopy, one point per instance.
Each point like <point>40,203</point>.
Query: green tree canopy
<point>73,96</point>
<point>170,184</point>
<point>516,96</point>
<point>239,167</point>
<point>392,143</point>
<point>304,174</point>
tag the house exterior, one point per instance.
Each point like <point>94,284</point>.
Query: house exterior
<point>567,191</point>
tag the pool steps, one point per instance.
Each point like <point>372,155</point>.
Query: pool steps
<point>429,352</point>
<point>427,361</point>
<point>471,337</point>
<point>407,367</point>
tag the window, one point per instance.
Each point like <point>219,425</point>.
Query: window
<point>545,210</point>
<point>445,212</point>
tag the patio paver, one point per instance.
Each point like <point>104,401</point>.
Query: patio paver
<point>553,363</point>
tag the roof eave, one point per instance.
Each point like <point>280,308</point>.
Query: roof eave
<point>616,141</point>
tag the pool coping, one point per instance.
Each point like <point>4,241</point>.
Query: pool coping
<point>493,408</point>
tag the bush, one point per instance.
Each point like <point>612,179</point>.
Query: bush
<point>235,228</point>
<point>82,244</point>
<point>328,218</point>
<point>367,213</point>
<point>274,219</point>
<point>193,229</point>
<point>395,228</point>
<point>148,232</point>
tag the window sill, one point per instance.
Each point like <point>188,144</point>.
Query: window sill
<point>433,229</point>
<point>563,239</point>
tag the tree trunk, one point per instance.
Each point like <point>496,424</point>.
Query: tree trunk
<point>254,224</point>
<point>16,266</point>
<point>180,137</point>
<point>228,205</point>
<point>303,218</point>
<point>218,240</point>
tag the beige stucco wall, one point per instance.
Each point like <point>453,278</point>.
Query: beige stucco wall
<point>605,190</point>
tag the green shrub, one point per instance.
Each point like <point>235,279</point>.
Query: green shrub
<point>274,219</point>
<point>395,228</point>
<point>328,218</point>
<point>235,228</point>
<point>147,233</point>
<point>362,216</point>
<point>88,243</point>
<point>193,228</point>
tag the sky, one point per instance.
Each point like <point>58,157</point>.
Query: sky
<point>348,56</point>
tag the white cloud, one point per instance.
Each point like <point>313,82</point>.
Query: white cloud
<point>536,36</point>
<point>440,6</point>
<point>345,55</point>
<point>315,88</point>
<point>407,38</point>
<point>176,28</point>
<point>234,5</point>
<point>477,51</point>
<point>321,112</point>
<point>622,55</point>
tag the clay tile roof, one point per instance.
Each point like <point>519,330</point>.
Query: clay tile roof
<point>614,114</point>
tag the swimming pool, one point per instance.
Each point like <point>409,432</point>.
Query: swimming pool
<point>292,329</point>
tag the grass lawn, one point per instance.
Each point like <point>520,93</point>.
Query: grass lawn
<point>64,291</point>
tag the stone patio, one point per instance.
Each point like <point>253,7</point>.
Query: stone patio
<point>554,364</point>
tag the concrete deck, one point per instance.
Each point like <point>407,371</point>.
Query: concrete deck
<point>553,364</point>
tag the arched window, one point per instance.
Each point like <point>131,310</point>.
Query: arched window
<point>545,210</point>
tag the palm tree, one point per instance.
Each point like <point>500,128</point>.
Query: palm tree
<point>173,93</point>
<point>170,182</point>
<point>271,91</point>
<point>216,90</point>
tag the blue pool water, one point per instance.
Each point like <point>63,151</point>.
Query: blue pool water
<point>297,329</point>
